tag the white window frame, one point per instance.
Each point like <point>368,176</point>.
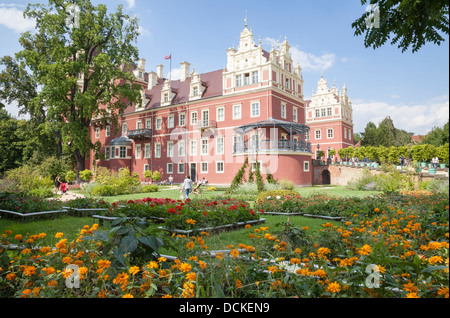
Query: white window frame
<point>205,119</point>
<point>202,164</point>
<point>139,124</point>
<point>171,121</point>
<point>170,149</point>
<point>146,167</point>
<point>181,148</point>
<point>306,166</point>
<point>158,123</point>
<point>255,112</point>
<point>329,112</point>
<point>124,129</point>
<point>138,151</point>
<point>192,147</point>
<point>97,133</point>
<point>203,145</point>
<point>220,113</point>
<point>182,119</point>
<point>330,133</point>
<point>123,152</point>
<point>147,148</point>
<point>217,166</point>
<point>169,171</point>
<point>180,171</point>
<point>239,80</point>
<point>107,153</point>
<point>148,124</point>
<point>318,134</point>
<point>194,121</point>
<point>283,110</point>
<point>237,115</point>
<point>220,145</point>
<point>255,77</point>
<point>113,152</point>
<point>295,114</point>
<point>108,131</point>
<point>157,150</point>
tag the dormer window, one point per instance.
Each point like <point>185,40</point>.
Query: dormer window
<point>195,91</point>
<point>166,97</point>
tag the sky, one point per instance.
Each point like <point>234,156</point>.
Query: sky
<point>411,88</point>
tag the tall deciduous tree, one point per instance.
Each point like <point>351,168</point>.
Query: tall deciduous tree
<point>79,57</point>
<point>410,23</point>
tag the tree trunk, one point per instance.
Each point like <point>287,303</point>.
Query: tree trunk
<point>81,164</point>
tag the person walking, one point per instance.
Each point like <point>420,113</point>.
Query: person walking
<point>187,186</point>
<point>57,184</point>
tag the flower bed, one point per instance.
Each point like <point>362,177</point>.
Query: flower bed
<point>399,250</point>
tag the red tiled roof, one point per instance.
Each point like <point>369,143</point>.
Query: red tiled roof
<point>213,81</point>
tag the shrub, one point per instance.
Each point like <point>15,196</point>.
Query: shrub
<point>287,184</point>
<point>86,175</point>
<point>150,188</point>
<point>71,176</point>
<point>41,192</point>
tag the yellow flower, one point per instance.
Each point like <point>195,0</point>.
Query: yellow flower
<point>190,221</point>
<point>133,270</point>
<point>202,264</point>
<point>435,259</point>
<point>29,271</point>
<point>59,235</point>
<point>190,245</point>
<point>365,250</point>
<point>333,287</point>
<point>185,267</point>
<point>152,265</point>
<point>191,276</point>
<point>443,291</point>
<point>234,253</point>
<point>162,259</point>
<point>127,296</point>
<point>272,269</point>
<point>412,295</point>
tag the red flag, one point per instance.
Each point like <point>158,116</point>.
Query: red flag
<point>168,57</point>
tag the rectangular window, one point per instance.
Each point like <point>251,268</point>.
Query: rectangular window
<point>193,147</point>
<point>113,152</point>
<point>238,80</point>
<point>181,168</point>
<point>255,77</point>
<point>182,119</point>
<point>170,168</point>
<point>138,152</point>
<point>148,124</point>
<point>146,167</point>
<point>317,113</point>
<point>220,115</point>
<point>181,148</point>
<point>283,110</point>
<point>247,79</point>
<point>147,151</point>
<point>295,114</point>
<point>287,83</point>
<point>108,153</point>
<point>97,133</point>
<point>219,167</point>
<point>205,118</point>
<point>166,97</point>
<point>204,146</point>
<point>124,129</point>
<point>158,150</point>
<point>170,149</point>
<point>330,133</point>
<point>323,112</point>
<point>204,167</point>
<point>307,135</point>
<point>194,118</point>
<point>158,123</point>
<point>195,91</point>
<point>220,145</point>
<point>123,152</point>
<point>236,111</point>
<point>318,134</point>
<point>345,133</point>
<point>139,124</point>
<point>255,109</point>
<point>108,131</point>
<point>306,166</point>
<point>171,121</point>
<point>329,112</point>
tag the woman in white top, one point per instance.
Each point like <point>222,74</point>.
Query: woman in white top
<point>187,186</point>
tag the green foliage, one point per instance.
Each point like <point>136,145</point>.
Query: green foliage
<point>27,178</point>
<point>405,23</point>
<point>385,135</point>
<point>390,181</point>
<point>71,176</point>
<point>238,177</point>
<point>156,176</point>
<point>259,180</point>
<point>86,175</point>
<point>437,136</point>
<point>274,194</point>
<point>150,188</point>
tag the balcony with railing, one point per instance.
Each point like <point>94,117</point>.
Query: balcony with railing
<point>203,125</point>
<point>272,146</point>
<point>139,134</point>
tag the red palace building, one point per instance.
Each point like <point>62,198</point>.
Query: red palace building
<point>205,125</point>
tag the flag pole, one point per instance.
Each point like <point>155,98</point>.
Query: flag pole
<point>170,76</point>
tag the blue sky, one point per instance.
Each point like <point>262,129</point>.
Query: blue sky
<point>413,89</point>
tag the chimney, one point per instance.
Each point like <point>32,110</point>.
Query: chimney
<point>184,70</point>
<point>159,71</point>
<point>152,80</point>
<point>141,64</point>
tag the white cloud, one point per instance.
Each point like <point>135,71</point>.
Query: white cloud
<point>13,19</point>
<point>175,74</point>
<point>309,61</point>
<point>144,32</point>
<point>417,118</point>
<point>131,3</point>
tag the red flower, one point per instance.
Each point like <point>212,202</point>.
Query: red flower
<point>179,207</point>
<point>205,214</point>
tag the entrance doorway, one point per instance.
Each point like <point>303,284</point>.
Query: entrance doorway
<point>194,172</point>
<point>326,177</point>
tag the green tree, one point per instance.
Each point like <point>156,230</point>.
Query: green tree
<point>11,142</point>
<point>437,136</point>
<point>79,68</point>
<point>410,23</point>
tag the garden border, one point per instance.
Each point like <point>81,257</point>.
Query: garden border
<point>237,225</point>
<point>31,214</point>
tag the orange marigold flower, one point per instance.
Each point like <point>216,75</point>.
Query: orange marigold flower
<point>365,250</point>
<point>333,287</point>
<point>234,253</point>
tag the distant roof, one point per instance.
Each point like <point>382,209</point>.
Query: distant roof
<point>213,81</point>
<point>271,122</point>
<point>121,141</point>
